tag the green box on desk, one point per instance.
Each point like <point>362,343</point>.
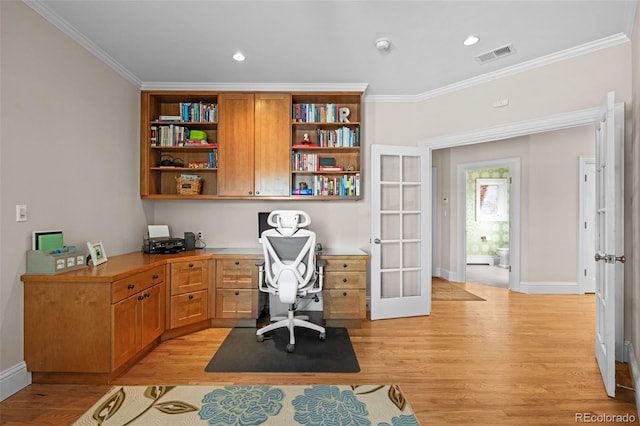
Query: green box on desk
<point>55,262</point>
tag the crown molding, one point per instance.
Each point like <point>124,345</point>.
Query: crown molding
<point>562,55</point>
<point>44,11</point>
<point>521,128</point>
<point>258,87</point>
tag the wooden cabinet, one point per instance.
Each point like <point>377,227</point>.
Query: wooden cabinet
<point>255,145</point>
<point>87,328</point>
<point>190,285</point>
<point>254,148</point>
<point>236,288</point>
<point>344,291</point>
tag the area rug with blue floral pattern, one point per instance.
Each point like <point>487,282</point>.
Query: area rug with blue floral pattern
<point>362,405</point>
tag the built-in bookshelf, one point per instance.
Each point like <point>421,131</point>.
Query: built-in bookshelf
<point>180,139</point>
<point>325,154</point>
<point>181,134</point>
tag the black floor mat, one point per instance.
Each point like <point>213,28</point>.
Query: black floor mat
<point>240,352</point>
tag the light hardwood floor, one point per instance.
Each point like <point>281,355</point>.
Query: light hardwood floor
<point>512,359</point>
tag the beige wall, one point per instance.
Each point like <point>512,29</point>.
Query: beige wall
<point>549,187</point>
<point>69,132</point>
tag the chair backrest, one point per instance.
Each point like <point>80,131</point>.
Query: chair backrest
<point>289,252</point>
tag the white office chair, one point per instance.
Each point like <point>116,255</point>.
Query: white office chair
<point>289,269</point>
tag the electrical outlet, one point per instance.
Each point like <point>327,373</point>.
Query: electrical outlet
<point>199,234</point>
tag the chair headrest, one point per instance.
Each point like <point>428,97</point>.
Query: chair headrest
<point>287,222</point>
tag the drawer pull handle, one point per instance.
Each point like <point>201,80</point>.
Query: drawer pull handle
<point>237,293</point>
<point>147,295</point>
<point>344,280</point>
<point>191,265</point>
<point>131,286</point>
<point>155,276</point>
<point>344,293</point>
<point>141,297</point>
<point>344,265</point>
<point>237,262</point>
<point>190,296</point>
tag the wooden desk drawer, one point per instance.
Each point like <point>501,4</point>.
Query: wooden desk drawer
<point>237,274</point>
<point>189,308</point>
<point>237,303</point>
<point>189,276</point>
<point>345,280</point>
<point>345,265</point>
<point>124,288</point>
<point>344,304</point>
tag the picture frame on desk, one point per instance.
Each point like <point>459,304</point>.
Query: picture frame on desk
<point>97,253</point>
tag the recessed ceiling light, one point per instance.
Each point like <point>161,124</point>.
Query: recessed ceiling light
<point>471,40</point>
<point>238,56</point>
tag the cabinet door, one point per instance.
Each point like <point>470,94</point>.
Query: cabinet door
<point>153,313</point>
<point>236,144</point>
<point>272,144</point>
<point>126,330</point>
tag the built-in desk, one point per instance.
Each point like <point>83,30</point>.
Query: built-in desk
<point>90,325</point>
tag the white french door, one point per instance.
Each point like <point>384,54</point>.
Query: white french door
<point>400,232</point>
<point>609,240</point>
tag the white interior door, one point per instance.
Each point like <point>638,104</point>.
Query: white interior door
<point>400,237</point>
<point>609,240</point>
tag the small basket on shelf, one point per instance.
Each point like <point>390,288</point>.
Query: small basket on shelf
<point>188,185</point>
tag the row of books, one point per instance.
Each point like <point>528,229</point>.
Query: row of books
<point>343,137</point>
<point>193,112</point>
<point>174,135</point>
<point>199,112</point>
<point>318,113</point>
<point>345,186</point>
<point>303,162</point>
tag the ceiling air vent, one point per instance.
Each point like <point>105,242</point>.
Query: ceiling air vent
<point>495,53</point>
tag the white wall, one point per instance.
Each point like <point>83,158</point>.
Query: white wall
<point>69,151</point>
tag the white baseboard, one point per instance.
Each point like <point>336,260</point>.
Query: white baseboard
<point>482,259</point>
<point>446,275</point>
<point>13,379</point>
<point>630,357</point>
<point>536,287</point>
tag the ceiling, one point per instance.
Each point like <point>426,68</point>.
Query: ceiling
<point>322,44</point>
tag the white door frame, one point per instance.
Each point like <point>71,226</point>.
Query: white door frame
<point>514,217</point>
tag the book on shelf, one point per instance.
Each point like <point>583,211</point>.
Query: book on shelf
<point>329,168</point>
<point>199,143</point>
<point>154,136</point>
<point>169,118</point>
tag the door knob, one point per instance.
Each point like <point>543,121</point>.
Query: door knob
<point>376,240</point>
<point>600,257</point>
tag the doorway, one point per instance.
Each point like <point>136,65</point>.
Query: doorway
<point>489,219</point>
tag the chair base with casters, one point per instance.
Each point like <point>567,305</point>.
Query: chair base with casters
<point>290,270</point>
<point>290,322</point>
